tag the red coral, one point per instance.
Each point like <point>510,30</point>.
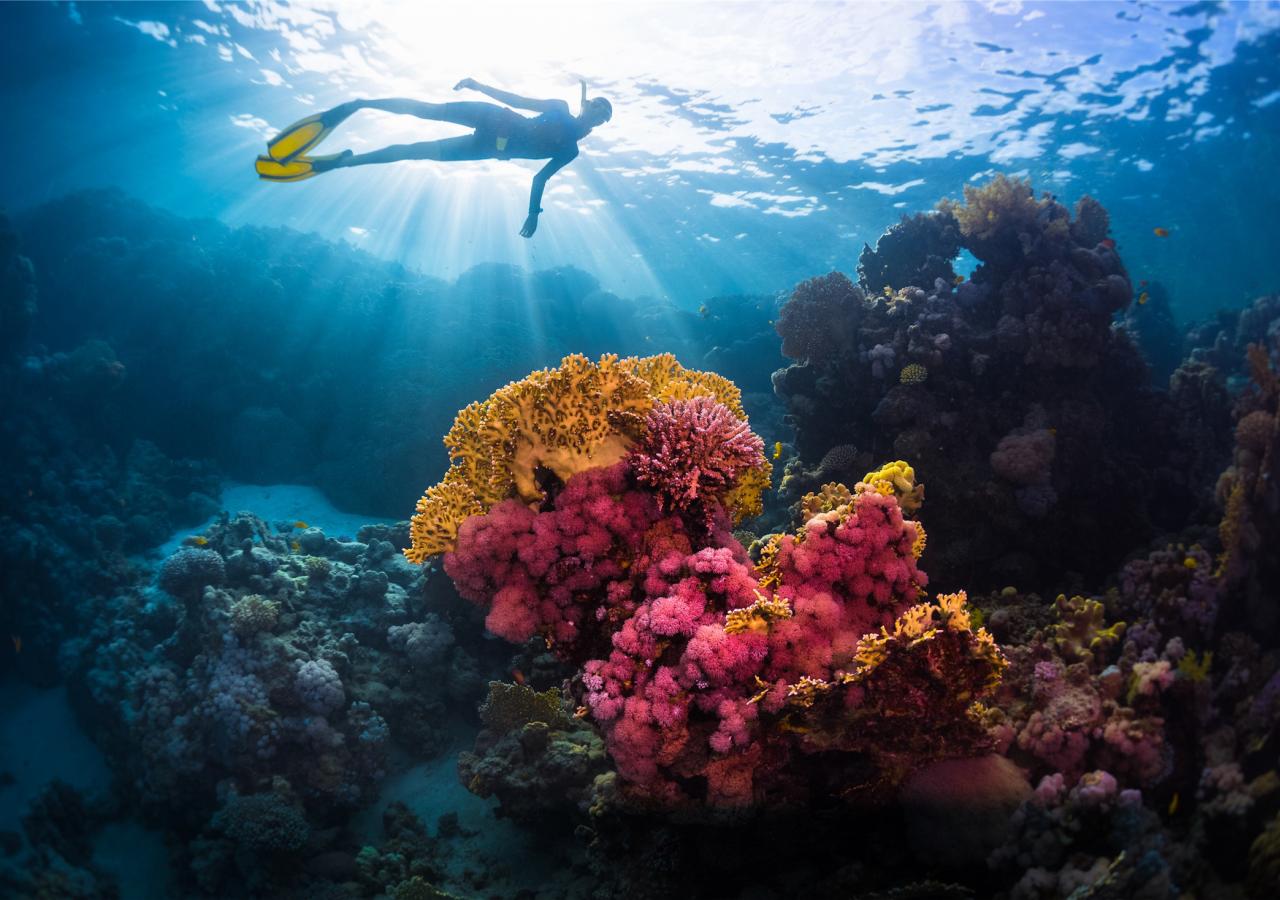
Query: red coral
<point>693,451</point>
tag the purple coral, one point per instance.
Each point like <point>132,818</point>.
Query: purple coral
<point>1024,457</point>
<point>319,687</point>
<point>426,643</point>
<point>694,450</point>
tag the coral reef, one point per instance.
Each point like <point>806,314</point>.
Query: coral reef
<point>711,680</point>
<point>918,250</point>
<point>261,701</point>
<point>1248,493</point>
<point>534,756</point>
<point>707,702</point>
<point>1010,392</point>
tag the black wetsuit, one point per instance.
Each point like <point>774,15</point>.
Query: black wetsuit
<point>502,133</point>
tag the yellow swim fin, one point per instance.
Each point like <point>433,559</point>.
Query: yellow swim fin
<point>305,134</point>
<point>300,168</point>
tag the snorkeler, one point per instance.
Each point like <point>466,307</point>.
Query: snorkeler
<point>499,133</point>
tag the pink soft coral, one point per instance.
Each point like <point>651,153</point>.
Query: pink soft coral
<point>542,572</point>
<point>638,595</point>
<point>850,573</point>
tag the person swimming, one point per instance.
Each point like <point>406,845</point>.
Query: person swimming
<point>497,133</point>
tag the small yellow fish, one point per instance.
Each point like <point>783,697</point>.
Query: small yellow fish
<point>1173,803</point>
<point>959,279</point>
<point>1143,298</point>
<point>17,642</point>
<point>1190,563</point>
<point>777,450</point>
<point>888,291</point>
<point>1160,232</point>
<point>295,546</point>
<point>199,540</point>
<point>703,311</point>
<point>301,525</point>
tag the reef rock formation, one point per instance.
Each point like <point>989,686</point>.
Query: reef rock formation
<point>1029,415</point>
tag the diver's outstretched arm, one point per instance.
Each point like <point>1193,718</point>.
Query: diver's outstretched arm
<point>539,184</point>
<point>514,100</point>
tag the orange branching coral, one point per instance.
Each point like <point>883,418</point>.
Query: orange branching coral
<point>767,567</point>
<point>434,527</point>
<point>924,622</point>
<point>917,548</point>
<point>668,380</point>
<point>746,499</point>
<point>580,415</point>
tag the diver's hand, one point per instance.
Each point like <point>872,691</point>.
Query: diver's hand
<point>469,83</point>
<point>530,226</point>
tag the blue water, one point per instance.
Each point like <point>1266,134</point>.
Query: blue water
<point>751,147</point>
<point>221,398</point>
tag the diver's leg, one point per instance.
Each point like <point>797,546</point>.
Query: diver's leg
<point>453,149</point>
<point>471,114</point>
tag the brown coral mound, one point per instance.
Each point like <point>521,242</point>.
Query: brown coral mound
<point>821,318</point>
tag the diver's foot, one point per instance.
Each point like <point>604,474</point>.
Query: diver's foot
<point>337,161</point>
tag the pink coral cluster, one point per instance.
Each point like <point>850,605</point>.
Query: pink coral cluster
<point>693,451</point>
<point>685,650</point>
<point>1072,718</point>
<point>865,555</point>
<point>532,569</point>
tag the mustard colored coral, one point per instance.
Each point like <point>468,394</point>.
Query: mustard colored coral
<point>434,527</point>
<point>899,479</point>
<point>832,496</point>
<point>580,415</point>
<point>913,373</point>
<point>1002,204</point>
<point>756,617</point>
<point>1081,633</point>
<point>923,623</point>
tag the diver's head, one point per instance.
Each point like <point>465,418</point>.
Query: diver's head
<point>596,111</point>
